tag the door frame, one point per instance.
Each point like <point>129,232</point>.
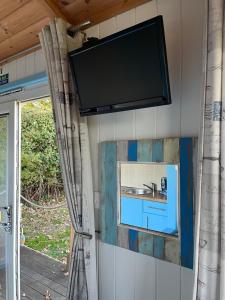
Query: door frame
<point>11,109</point>
<point>31,92</point>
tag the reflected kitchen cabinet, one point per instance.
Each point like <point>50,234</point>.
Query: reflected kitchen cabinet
<point>149,196</point>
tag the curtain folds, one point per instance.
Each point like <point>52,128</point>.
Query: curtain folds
<point>73,142</point>
<point>210,258</point>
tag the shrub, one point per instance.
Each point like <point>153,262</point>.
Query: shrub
<point>40,174</point>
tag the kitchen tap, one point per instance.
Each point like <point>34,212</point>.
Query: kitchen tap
<point>153,188</point>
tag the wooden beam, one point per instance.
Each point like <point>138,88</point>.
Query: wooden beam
<point>53,9</point>
<point>97,10</point>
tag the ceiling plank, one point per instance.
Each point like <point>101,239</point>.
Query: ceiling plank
<point>7,7</point>
<point>22,20</point>
<point>23,40</point>
<point>14,23</point>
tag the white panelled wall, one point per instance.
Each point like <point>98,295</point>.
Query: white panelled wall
<point>25,66</point>
<point>123,274</point>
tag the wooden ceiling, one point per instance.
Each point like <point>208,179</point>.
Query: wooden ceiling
<point>22,20</point>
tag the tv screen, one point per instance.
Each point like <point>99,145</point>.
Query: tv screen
<point>126,70</point>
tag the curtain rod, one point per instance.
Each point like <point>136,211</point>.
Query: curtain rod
<point>74,29</point>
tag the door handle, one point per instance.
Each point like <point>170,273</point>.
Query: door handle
<point>7,226</point>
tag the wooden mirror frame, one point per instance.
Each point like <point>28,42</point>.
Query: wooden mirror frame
<point>178,250</point>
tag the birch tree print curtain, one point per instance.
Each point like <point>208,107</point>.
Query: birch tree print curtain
<point>73,141</point>
<point>210,259</point>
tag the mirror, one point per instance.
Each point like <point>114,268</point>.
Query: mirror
<point>148,196</point>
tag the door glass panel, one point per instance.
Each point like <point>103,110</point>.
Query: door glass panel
<point>3,201</point>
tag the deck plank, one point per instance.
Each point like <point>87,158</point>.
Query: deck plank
<point>40,273</point>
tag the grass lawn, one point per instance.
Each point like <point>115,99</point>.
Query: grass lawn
<point>47,231</point>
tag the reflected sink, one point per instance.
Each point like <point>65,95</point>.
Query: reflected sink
<point>137,191</point>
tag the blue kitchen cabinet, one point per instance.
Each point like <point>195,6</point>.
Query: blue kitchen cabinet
<point>154,222</point>
<point>155,207</point>
<point>152,214</point>
<point>131,211</point>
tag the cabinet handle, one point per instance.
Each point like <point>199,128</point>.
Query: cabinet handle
<point>162,209</point>
<point>147,221</point>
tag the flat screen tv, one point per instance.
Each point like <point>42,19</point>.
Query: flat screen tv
<point>126,70</point>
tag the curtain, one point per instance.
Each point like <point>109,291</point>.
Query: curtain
<point>210,254</point>
<point>73,142</point>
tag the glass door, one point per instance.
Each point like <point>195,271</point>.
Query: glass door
<point>9,222</point>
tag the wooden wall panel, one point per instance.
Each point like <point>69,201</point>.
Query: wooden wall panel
<point>146,243</point>
<point>132,150</point>
<point>108,193</point>
<point>133,240</point>
<point>192,72</point>
<point>122,150</point>
<point>171,150</point>
<point>125,274</point>
<point>177,250</point>
<point>93,128</point>
<point>145,279</point>
<point>168,281</point>
<point>158,248</point>
<point>187,283</point>
<point>125,20</point>
<point>186,190</point>
<point>168,117</point>
<point>107,271</point>
<point>107,127</point>
<point>172,252</point>
<point>144,150</point>
<point>158,150</point>
<point>123,237</point>
<point>107,27</point>
<point>124,124</point>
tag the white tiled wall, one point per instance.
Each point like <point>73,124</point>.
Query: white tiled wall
<point>125,275</point>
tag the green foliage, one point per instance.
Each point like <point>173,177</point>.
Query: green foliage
<point>40,174</point>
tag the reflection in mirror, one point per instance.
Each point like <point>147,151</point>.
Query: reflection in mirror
<point>149,196</point>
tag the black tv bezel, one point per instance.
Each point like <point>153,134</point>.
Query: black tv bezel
<point>164,99</point>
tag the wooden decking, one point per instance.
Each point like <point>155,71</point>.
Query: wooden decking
<point>40,274</point>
